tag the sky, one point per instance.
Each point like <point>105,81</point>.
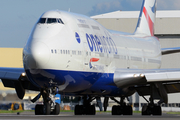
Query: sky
<point>17,17</point>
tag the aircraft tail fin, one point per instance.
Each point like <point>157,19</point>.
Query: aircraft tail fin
<point>146,19</point>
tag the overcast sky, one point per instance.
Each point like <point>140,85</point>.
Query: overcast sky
<point>17,17</point>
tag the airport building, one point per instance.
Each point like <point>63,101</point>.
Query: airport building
<point>167,29</point>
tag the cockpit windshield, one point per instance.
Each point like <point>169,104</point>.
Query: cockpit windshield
<point>50,20</point>
<point>42,20</point>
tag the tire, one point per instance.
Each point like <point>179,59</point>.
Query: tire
<point>47,109</point>
<point>78,110</point>
<point>116,110</point>
<point>157,110</point>
<point>146,110</point>
<point>119,110</point>
<point>127,110</point>
<point>92,110</point>
<point>39,110</point>
<point>56,110</point>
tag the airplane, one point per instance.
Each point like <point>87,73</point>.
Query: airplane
<point>73,55</point>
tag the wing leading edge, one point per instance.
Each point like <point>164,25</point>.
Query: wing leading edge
<point>144,76</point>
<point>166,51</point>
<point>161,81</point>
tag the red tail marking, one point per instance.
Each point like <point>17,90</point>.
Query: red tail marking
<point>94,59</point>
<point>150,23</point>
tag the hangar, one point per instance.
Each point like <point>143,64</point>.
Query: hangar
<point>167,29</point>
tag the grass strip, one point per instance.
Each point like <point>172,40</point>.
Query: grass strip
<point>173,113</point>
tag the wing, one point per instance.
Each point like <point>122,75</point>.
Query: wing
<point>164,81</point>
<point>16,78</point>
<point>166,51</point>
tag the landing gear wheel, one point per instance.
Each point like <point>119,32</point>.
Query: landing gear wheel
<point>151,110</point>
<point>114,110</point>
<point>92,110</point>
<point>56,110</point>
<point>84,110</point>
<point>47,109</point>
<point>78,110</point>
<point>127,110</point>
<point>121,110</point>
<point>117,110</point>
<point>146,110</point>
<point>156,110</point>
<point>39,109</point>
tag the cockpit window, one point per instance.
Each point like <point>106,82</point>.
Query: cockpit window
<point>42,20</point>
<point>60,21</point>
<point>50,20</point>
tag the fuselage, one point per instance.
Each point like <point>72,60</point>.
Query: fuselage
<point>80,56</point>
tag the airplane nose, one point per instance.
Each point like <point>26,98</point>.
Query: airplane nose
<point>40,54</point>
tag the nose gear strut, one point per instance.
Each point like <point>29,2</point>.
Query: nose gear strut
<point>49,106</point>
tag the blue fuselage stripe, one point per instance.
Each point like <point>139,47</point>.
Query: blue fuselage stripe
<point>76,82</point>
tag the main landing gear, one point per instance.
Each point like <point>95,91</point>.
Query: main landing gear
<point>86,108</point>
<point>49,106</point>
<point>122,108</point>
<point>151,108</point>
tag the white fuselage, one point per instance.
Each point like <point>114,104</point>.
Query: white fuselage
<point>79,43</point>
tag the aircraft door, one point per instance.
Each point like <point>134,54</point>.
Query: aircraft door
<point>144,60</point>
<point>86,54</point>
<point>127,58</point>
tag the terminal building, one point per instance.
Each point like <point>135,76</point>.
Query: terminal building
<point>167,29</point>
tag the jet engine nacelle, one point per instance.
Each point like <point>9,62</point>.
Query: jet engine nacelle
<point>126,78</point>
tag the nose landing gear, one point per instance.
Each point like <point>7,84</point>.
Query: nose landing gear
<point>49,106</point>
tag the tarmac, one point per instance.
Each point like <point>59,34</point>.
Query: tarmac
<point>71,116</point>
